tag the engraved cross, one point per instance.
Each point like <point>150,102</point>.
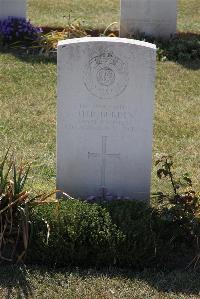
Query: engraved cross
<point>103,156</point>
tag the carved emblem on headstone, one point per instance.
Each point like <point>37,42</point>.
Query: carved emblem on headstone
<point>106,75</point>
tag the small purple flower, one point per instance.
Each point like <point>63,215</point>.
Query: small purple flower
<point>20,30</point>
<point>104,196</point>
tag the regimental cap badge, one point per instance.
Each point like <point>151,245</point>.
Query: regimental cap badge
<point>106,75</point>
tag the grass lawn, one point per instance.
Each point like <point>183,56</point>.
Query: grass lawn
<point>28,125</point>
<point>92,284</point>
<point>99,14</point>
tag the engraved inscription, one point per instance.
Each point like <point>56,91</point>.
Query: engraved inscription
<point>103,156</point>
<point>106,117</point>
<point>106,75</point>
<point>102,117</point>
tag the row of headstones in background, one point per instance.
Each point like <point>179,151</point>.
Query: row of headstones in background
<point>150,17</point>
<point>104,116</point>
<point>14,8</point>
<point>157,18</point>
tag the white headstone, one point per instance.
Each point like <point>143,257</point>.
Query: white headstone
<point>12,8</point>
<point>156,18</point>
<point>104,116</point>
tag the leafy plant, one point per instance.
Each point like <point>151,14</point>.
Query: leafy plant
<point>183,194</point>
<point>182,47</point>
<point>15,208</point>
<point>49,41</point>
<point>182,207</point>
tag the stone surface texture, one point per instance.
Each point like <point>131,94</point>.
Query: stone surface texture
<point>104,116</point>
<point>12,8</point>
<point>156,18</point>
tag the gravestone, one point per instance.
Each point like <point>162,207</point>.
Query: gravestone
<point>155,18</point>
<point>104,116</point>
<point>12,8</point>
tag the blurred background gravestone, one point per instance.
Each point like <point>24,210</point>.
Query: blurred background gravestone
<point>14,8</point>
<point>157,18</point>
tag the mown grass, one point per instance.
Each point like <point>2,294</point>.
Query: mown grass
<point>188,15</point>
<point>40,283</point>
<point>27,121</point>
<point>97,14</point>
<point>177,117</point>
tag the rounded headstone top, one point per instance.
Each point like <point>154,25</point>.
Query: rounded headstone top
<point>113,40</point>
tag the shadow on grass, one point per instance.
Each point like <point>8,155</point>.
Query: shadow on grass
<point>29,57</point>
<point>13,280</point>
<point>17,281</point>
<point>192,64</point>
<point>174,282</point>
<point>184,49</point>
<point>178,282</point>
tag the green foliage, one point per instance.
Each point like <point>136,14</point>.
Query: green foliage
<point>15,208</point>
<point>151,238</point>
<point>181,209</point>
<point>117,232</point>
<point>183,198</point>
<point>121,233</point>
<point>135,221</point>
<point>180,48</point>
<point>125,233</point>
<point>79,234</point>
<point>14,219</point>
